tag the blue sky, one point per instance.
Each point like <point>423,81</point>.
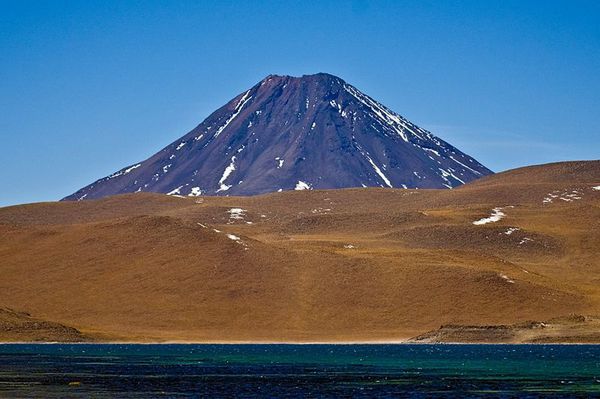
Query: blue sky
<point>89,87</point>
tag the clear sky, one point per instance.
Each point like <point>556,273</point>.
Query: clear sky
<point>88,87</point>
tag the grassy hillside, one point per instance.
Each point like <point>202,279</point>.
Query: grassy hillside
<point>357,264</point>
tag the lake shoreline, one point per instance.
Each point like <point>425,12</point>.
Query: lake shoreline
<point>292,343</point>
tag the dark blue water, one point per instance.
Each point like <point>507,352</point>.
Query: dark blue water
<point>419,371</point>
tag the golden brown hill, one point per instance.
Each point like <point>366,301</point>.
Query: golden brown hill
<point>336,265</point>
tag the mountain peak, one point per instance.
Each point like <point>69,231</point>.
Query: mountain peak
<point>313,76</point>
<point>309,132</point>
<point>320,78</point>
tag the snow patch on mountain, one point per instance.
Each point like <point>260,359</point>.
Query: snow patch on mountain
<point>195,192</point>
<point>230,168</point>
<point>562,195</point>
<point>385,115</point>
<point>465,166</point>
<point>236,214</point>
<point>175,191</point>
<point>302,186</point>
<point>238,108</point>
<point>496,216</point>
<point>124,171</point>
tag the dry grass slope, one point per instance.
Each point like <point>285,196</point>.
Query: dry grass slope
<point>337,265</point>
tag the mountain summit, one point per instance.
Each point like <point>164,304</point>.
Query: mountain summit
<point>286,133</point>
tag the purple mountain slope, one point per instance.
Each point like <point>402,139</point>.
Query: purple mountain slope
<point>286,133</point>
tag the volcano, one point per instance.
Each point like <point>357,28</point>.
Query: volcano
<point>295,133</point>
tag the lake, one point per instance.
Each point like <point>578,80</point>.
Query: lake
<point>419,371</point>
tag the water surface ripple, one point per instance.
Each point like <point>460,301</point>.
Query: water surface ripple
<point>298,371</point>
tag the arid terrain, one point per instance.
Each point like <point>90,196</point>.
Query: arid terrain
<point>312,266</point>
<point>568,329</point>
